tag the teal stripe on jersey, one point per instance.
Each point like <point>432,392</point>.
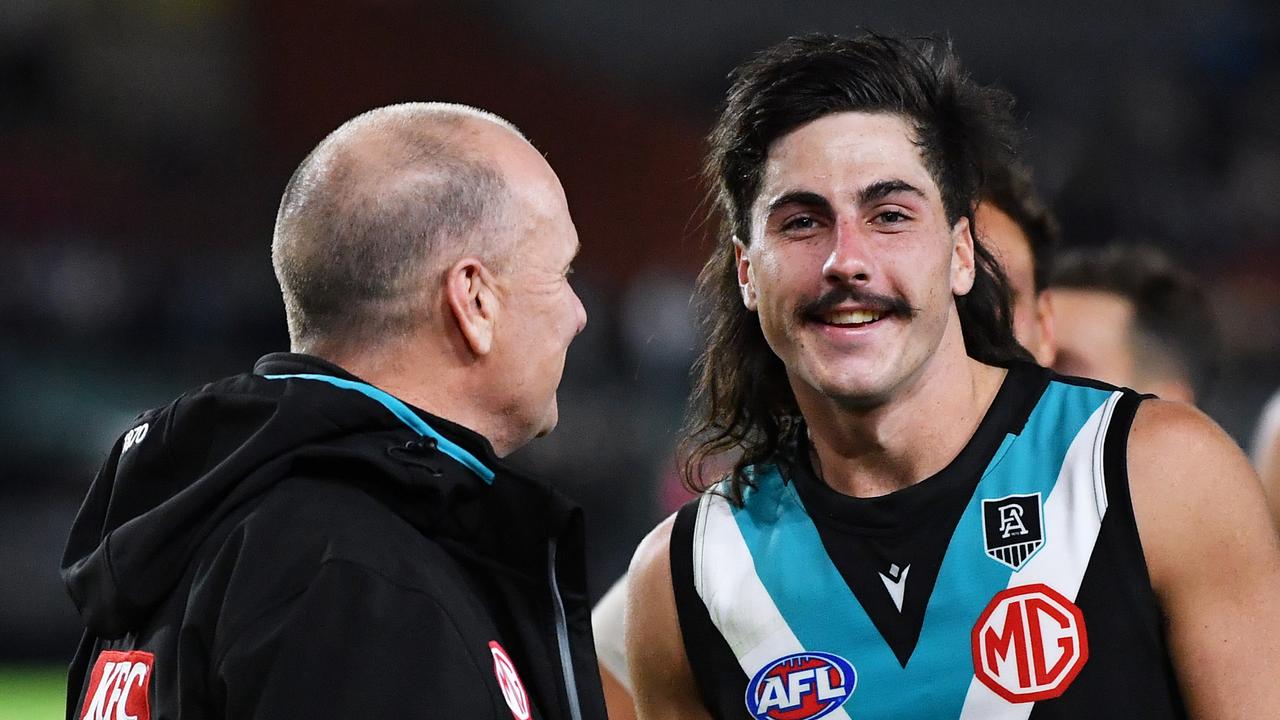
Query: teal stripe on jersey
<point>825,615</point>
<point>405,415</point>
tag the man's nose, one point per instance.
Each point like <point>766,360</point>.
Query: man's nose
<point>850,261</point>
<point>581,312</point>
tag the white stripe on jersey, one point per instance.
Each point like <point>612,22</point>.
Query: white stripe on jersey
<point>736,600</point>
<point>1072,519</point>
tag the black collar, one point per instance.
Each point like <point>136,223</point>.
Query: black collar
<point>283,363</point>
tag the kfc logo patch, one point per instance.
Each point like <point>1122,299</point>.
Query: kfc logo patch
<point>509,682</point>
<point>1029,644</point>
<point>118,687</point>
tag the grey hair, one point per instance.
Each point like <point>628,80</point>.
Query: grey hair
<point>373,213</point>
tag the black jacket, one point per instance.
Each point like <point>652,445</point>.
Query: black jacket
<point>290,547</point>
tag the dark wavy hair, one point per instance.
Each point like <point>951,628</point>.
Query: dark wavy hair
<point>741,398</point>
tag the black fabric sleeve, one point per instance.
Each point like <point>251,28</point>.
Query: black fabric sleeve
<point>354,644</point>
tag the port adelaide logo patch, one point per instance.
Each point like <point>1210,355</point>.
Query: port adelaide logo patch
<point>801,686</point>
<point>1013,529</point>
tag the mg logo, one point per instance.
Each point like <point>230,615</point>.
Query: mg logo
<point>1029,644</point>
<point>117,688</point>
<point>509,682</point>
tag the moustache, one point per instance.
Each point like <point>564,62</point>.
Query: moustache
<point>883,304</point>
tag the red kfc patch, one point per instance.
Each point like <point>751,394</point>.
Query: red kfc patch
<point>118,686</point>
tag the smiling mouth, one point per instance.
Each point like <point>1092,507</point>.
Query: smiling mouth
<point>851,318</point>
<point>833,308</point>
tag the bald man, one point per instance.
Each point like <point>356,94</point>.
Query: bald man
<point>335,534</point>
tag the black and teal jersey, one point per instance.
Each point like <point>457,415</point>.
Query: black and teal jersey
<point>1011,584</point>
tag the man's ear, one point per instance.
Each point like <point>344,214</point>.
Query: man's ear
<point>1048,333</point>
<point>471,292</point>
<point>746,283</point>
<point>963,260</point>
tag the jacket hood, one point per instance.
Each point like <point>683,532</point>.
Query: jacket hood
<point>182,469</point>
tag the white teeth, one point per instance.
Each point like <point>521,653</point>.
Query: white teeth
<point>852,317</point>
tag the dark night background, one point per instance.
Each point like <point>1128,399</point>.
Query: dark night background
<point>144,146</point>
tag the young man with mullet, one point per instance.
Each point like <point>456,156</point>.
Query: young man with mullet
<point>921,522</point>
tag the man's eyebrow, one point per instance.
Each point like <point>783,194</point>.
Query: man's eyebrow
<point>879,190</point>
<point>800,197</point>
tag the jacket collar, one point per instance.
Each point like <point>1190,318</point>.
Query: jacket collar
<point>474,450</point>
<point>517,503</point>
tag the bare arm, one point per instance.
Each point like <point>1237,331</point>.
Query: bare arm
<point>1214,559</point>
<point>1269,469</point>
<point>617,701</point>
<point>607,624</point>
<point>660,674</point>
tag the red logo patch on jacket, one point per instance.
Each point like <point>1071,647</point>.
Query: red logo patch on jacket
<point>509,682</point>
<point>118,685</point>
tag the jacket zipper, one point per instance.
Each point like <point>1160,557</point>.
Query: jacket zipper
<point>562,637</point>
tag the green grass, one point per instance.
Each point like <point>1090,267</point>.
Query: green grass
<point>32,693</point>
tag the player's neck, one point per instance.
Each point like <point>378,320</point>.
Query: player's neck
<point>897,444</point>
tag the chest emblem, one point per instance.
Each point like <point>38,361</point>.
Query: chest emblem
<point>1029,644</point>
<point>896,583</point>
<point>118,686</point>
<point>1012,529</point>
<point>801,686</point>
<point>509,682</point>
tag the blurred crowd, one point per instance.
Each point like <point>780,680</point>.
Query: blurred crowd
<point>144,148</point>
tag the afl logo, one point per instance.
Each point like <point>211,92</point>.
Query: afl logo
<point>1029,644</point>
<point>801,686</point>
<point>509,682</point>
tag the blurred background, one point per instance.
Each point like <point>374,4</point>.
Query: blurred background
<point>144,145</point>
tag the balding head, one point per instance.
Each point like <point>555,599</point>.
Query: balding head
<point>381,207</point>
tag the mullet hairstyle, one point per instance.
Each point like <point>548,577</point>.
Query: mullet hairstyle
<point>741,398</point>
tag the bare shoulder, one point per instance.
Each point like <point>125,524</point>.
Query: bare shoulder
<point>1175,433</point>
<point>653,554</point>
<point>1213,556</point>
<point>660,673</point>
<point>1191,484</point>
<point>653,628</point>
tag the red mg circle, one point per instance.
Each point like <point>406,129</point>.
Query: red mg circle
<point>1029,643</point>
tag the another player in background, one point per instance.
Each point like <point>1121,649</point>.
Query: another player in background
<point>1127,315</point>
<point>1080,551</point>
<point>334,534</point>
<point>1021,232</point>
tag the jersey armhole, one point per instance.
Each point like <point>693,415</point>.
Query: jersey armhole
<point>709,655</point>
<point>1115,471</point>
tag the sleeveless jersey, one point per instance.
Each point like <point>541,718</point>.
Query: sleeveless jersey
<point>1011,584</point>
